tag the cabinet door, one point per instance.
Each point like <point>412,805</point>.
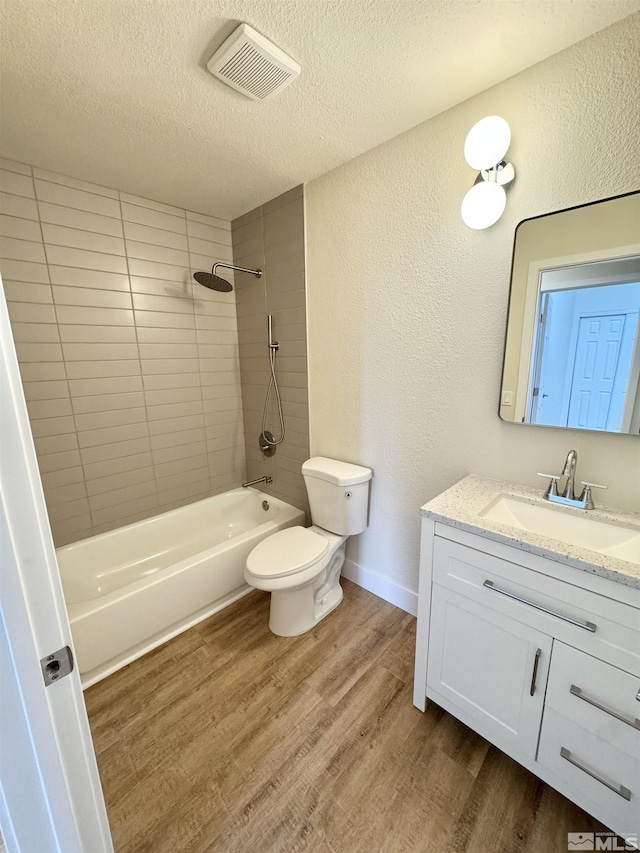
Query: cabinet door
<point>491,667</point>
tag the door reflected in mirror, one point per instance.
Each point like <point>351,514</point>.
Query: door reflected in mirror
<point>572,354</point>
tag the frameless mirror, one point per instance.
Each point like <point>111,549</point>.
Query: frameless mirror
<point>572,350</point>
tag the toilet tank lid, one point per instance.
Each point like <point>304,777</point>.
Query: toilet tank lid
<point>340,473</point>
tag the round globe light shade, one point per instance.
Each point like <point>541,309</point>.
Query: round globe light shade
<point>483,205</point>
<point>487,142</point>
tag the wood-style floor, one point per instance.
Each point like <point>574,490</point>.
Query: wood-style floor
<point>228,739</point>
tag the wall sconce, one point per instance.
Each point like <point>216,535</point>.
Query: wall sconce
<point>485,146</point>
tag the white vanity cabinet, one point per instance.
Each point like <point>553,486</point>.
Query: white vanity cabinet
<point>539,657</point>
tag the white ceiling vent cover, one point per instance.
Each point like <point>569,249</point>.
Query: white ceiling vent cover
<point>251,64</point>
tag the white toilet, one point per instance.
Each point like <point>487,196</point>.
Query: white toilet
<point>300,566</point>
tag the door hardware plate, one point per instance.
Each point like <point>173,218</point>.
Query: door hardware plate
<point>56,665</point>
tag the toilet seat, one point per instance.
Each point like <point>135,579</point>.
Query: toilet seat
<point>287,552</point>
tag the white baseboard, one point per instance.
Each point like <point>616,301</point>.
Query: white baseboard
<point>383,587</point>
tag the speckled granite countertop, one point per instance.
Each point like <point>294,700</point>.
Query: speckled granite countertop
<point>461,505</point>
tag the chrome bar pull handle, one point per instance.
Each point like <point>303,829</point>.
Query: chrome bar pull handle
<point>620,790</point>
<point>534,674</point>
<point>630,721</point>
<point>586,626</point>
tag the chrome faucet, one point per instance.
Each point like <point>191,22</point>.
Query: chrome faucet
<point>265,480</point>
<point>568,496</point>
<point>570,473</point>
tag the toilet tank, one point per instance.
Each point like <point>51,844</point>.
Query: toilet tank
<point>338,494</point>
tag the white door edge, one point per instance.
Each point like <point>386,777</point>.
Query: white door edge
<point>50,792</point>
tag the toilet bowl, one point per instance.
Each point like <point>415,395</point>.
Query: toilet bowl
<point>300,566</point>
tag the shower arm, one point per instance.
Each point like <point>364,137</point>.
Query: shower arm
<point>257,273</point>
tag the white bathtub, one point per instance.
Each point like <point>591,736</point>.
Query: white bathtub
<point>132,589</point>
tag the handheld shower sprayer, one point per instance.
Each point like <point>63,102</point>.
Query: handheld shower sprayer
<point>274,346</point>
<point>267,441</point>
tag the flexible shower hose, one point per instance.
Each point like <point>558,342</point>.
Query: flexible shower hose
<point>273,384</point>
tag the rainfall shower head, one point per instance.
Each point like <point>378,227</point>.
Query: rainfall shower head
<point>215,282</point>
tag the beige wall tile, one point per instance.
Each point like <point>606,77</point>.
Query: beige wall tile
<point>15,205</point>
<point>173,396</point>
<point>175,424</point>
<point>68,509</point>
<point>132,462</point>
<point>123,495</point>
<point>73,182</point>
<point>214,234</point>
<point>90,297</point>
<point>125,513</point>
<point>45,390</point>
<point>94,316</point>
<point>152,205</point>
<point>61,235</point>
<point>88,369</point>
<point>14,166</point>
<point>168,351</point>
<point>113,482</point>
<point>208,220</point>
<point>64,477</point>
<point>182,437</point>
<point>56,443</point>
<point>99,352</point>
<point>49,408</point>
<point>191,491</point>
<point>172,380</point>
<point>106,402</point>
<point>41,371</point>
<point>114,452</point>
<point>179,452</point>
<point>168,365</point>
<point>117,417</point>
<point>55,214</point>
<point>29,312</point>
<point>52,426</point>
<point>21,229</point>
<point>38,352</point>
<point>176,466</point>
<point>57,461</point>
<point>64,257</point>
<point>24,271</point>
<point>161,254</point>
<point>69,197</point>
<point>155,236</point>
<point>164,304</point>
<point>12,182</point>
<point>105,385</point>
<point>36,332</point>
<point>110,435</point>
<point>98,334</point>
<point>78,277</point>
<point>153,218</point>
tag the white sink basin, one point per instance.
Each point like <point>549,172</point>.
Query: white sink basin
<point>606,537</point>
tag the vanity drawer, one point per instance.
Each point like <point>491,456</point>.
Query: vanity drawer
<point>605,628</point>
<point>597,696</point>
<point>602,778</point>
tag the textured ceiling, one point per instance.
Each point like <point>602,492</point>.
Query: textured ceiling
<point>117,92</point>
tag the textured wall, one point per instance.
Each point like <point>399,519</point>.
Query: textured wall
<point>130,369</point>
<point>271,238</point>
<point>407,306</point>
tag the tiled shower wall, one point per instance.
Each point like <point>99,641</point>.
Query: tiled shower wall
<point>130,369</point>
<point>271,238</point>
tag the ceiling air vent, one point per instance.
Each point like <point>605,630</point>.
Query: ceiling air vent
<point>251,64</point>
